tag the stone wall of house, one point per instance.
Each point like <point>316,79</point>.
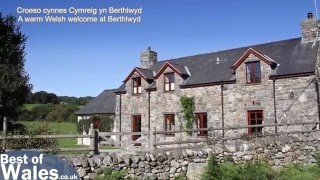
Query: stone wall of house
<point>277,151</point>
<point>296,101</point>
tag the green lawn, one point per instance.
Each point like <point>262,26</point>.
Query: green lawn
<point>61,129</point>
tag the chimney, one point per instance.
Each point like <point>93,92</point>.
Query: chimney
<point>309,29</point>
<point>148,58</point>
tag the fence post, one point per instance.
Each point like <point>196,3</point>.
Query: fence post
<point>5,125</point>
<point>94,141</point>
<point>152,139</point>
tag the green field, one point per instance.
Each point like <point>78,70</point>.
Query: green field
<point>60,129</point>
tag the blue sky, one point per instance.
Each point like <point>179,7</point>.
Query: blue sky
<point>84,59</point>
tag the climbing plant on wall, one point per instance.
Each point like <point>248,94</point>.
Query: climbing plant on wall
<point>188,108</point>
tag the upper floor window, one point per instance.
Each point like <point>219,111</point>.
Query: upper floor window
<point>169,82</point>
<point>136,85</point>
<point>253,72</point>
<point>169,123</point>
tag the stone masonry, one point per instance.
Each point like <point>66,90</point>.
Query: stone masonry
<point>238,98</point>
<point>277,151</point>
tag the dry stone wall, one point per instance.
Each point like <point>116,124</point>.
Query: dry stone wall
<point>277,151</point>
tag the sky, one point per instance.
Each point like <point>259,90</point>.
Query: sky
<point>83,59</point>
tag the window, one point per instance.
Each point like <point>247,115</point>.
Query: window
<point>136,126</point>
<point>169,123</point>
<point>255,118</point>
<point>169,82</point>
<point>136,84</point>
<point>253,72</point>
<point>201,122</point>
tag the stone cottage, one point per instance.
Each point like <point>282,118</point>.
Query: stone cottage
<point>276,82</point>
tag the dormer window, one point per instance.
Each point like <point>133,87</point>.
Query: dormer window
<point>253,72</point>
<point>169,82</point>
<point>136,85</point>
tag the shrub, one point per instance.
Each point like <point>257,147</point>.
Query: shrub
<point>297,172</point>
<point>257,171</point>
<point>188,108</point>
<point>40,112</point>
<point>83,124</point>
<point>62,113</point>
<point>110,174</point>
<point>212,170</point>
<point>106,124</point>
<point>49,144</point>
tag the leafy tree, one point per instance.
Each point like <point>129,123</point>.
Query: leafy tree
<point>40,97</point>
<point>81,101</point>
<point>41,112</point>
<point>63,113</point>
<point>14,80</point>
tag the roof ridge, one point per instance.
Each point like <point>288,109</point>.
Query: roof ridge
<point>247,46</point>
<point>110,89</point>
<point>143,68</point>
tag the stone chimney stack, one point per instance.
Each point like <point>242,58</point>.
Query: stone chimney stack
<point>309,29</point>
<point>148,58</point>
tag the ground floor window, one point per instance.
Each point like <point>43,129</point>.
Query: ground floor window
<point>255,118</point>
<point>169,123</point>
<point>201,122</point>
<point>136,126</point>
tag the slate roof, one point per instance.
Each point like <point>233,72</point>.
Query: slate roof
<point>292,56</point>
<point>104,103</point>
<point>146,72</point>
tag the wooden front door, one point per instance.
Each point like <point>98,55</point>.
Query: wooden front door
<point>255,118</point>
<point>136,126</point>
<point>201,122</point>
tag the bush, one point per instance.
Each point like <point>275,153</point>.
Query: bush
<point>50,145</point>
<point>257,171</point>
<point>213,170</point>
<point>40,112</point>
<point>48,112</point>
<point>62,113</point>
<point>106,124</point>
<point>110,174</point>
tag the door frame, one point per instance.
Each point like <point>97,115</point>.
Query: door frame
<point>136,126</point>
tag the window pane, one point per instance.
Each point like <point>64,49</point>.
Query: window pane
<point>166,87</point>
<point>252,115</point>
<point>259,115</point>
<point>172,86</point>
<point>257,68</point>
<point>166,79</point>
<point>253,122</point>
<point>249,67</point>
<point>139,89</point>
<point>135,90</point>
<point>253,72</point>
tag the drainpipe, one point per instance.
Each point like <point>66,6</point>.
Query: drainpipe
<point>222,110</point>
<point>318,100</point>
<point>120,117</point>
<point>274,104</point>
<point>149,111</point>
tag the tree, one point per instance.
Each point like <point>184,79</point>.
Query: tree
<point>14,80</point>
